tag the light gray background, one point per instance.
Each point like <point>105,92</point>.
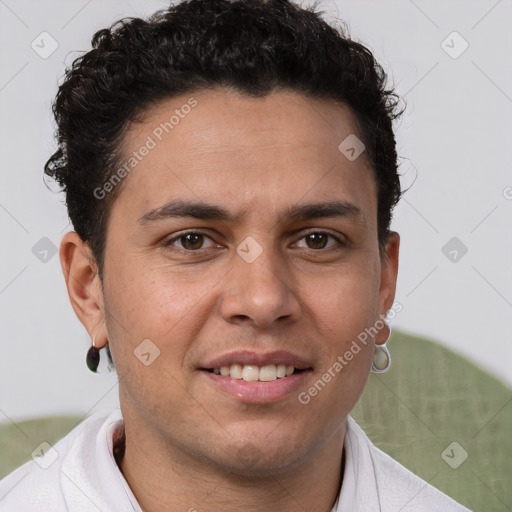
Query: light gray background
<point>454,139</point>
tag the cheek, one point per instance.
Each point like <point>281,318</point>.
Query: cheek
<point>153,301</point>
<point>346,309</point>
<point>152,321</point>
<point>346,300</point>
<point>344,314</point>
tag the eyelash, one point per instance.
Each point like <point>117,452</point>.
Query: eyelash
<point>169,242</point>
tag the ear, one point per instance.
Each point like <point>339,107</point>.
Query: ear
<point>84,286</point>
<point>388,276</point>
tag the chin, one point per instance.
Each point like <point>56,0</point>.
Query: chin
<point>260,454</point>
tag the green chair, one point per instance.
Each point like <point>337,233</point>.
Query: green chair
<point>18,440</point>
<point>430,399</point>
<point>434,411</point>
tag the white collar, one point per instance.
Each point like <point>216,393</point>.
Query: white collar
<point>115,422</point>
<point>347,488</point>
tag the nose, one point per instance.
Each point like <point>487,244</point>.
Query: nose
<point>260,293</point>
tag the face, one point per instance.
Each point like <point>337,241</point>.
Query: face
<point>277,265</point>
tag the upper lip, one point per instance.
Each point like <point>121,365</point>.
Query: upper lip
<point>248,357</point>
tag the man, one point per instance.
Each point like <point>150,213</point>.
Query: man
<point>230,172</point>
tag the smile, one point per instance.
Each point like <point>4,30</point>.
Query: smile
<point>253,373</point>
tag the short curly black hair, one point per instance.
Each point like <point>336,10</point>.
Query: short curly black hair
<point>255,47</point>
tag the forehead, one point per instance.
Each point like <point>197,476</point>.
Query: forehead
<point>219,146</point>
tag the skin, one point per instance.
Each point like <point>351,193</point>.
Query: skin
<point>188,444</point>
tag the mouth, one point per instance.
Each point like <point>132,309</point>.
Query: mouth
<point>252,377</point>
<point>254,373</point>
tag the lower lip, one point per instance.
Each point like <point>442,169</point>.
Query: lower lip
<point>259,392</point>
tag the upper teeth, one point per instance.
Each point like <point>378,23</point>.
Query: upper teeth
<point>253,373</point>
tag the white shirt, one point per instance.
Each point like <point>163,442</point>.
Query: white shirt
<point>80,474</point>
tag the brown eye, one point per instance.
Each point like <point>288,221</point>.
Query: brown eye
<point>190,241</point>
<point>318,240</point>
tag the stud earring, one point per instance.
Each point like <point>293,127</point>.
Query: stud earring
<point>93,358</point>
<point>381,357</point>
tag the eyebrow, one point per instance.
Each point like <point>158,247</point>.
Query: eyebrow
<point>205,211</point>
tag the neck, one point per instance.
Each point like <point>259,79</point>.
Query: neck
<point>164,478</point>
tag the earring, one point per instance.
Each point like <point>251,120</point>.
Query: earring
<point>93,358</point>
<point>381,357</point>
